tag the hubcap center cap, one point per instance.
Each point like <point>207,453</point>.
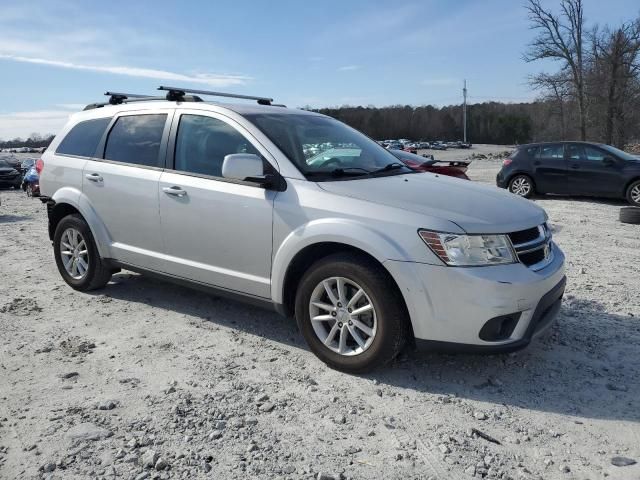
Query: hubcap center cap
<point>343,315</point>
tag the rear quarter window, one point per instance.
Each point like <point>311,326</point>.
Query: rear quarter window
<point>82,140</point>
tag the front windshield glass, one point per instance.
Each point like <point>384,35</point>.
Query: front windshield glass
<point>619,153</point>
<point>321,146</point>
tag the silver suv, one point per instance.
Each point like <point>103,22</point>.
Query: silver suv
<point>297,211</point>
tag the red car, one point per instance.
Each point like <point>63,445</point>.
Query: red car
<point>429,164</point>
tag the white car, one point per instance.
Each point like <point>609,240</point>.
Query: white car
<point>367,254</point>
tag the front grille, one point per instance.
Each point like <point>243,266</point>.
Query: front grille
<point>524,236</point>
<point>533,246</point>
<point>531,258</point>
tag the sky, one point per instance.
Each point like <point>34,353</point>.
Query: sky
<point>57,56</point>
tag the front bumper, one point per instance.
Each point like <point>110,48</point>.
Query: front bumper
<point>450,306</point>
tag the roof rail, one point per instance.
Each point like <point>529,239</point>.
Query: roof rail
<point>117,98</point>
<point>178,92</point>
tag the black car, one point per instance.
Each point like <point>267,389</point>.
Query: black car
<point>572,168</point>
<point>9,176</point>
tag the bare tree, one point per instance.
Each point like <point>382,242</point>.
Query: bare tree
<point>556,89</point>
<point>561,37</point>
<point>616,63</point>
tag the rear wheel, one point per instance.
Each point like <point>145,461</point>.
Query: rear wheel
<point>633,193</point>
<point>351,313</point>
<point>77,256</point>
<point>29,190</point>
<point>521,185</point>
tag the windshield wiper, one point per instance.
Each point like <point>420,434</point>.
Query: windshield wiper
<point>340,172</point>
<point>389,167</point>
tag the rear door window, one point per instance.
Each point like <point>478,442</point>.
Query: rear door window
<point>551,152</point>
<point>82,140</point>
<point>136,139</point>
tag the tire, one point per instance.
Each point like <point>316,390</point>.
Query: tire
<point>96,274</point>
<point>633,194</point>
<point>29,190</point>
<point>521,185</point>
<point>390,327</point>
<point>630,215</point>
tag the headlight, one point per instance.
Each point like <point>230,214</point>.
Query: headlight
<point>469,250</point>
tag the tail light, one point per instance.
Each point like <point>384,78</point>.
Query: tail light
<point>506,162</point>
<point>39,166</point>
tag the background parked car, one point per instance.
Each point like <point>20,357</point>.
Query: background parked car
<point>429,164</point>
<point>573,168</point>
<point>31,182</point>
<point>9,175</point>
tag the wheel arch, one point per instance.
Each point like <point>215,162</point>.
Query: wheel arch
<point>310,254</point>
<point>628,184</point>
<point>69,201</point>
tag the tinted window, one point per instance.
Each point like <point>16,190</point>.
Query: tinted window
<point>136,139</point>
<point>532,152</point>
<point>82,140</point>
<point>203,142</point>
<point>594,154</point>
<point>551,151</point>
<point>575,152</point>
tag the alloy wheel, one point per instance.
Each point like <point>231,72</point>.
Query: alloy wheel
<point>74,253</point>
<point>635,194</point>
<point>521,186</point>
<point>343,316</point>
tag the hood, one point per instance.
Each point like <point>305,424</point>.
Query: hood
<point>6,170</point>
<point>473,207</point>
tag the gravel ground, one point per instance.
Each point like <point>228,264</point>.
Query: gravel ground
<point>148,380</point>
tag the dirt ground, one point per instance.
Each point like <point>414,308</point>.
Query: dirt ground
<point>145,379</point>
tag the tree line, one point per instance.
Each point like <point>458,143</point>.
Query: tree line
<point>35,140</point>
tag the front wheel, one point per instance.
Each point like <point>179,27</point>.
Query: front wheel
<point>77,256</point>
<point>351,313</point>
<point>633,194</point>
<point>521,185</point>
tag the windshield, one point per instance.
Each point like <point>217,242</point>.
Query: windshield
<point>619,153</point>
<point>323,147</point>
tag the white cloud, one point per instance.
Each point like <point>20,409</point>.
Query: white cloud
<point>212,79</point>
<point>22,124</point>
<point>349,68</point>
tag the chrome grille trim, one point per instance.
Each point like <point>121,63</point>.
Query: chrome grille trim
<point>542,242</point>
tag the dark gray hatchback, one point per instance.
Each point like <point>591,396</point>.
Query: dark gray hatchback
<point>572,168</point>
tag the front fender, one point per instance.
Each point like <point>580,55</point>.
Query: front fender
<point>79,201</point>
<point>335,230</point>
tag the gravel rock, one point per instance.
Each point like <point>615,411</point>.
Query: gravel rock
<point>149,459</point>
<point>480,415</point>
<point>87,432</point>
<point>622,461</point>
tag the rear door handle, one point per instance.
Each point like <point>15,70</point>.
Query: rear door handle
<point>175,191</point>
<point>94,177</point>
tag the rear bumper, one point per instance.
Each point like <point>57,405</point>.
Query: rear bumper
<point>501,180</point>
<point>449,305</point>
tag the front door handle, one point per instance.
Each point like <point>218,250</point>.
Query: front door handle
<point>175,191</point>
<point>94,177</point>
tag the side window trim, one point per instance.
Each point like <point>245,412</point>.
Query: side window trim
<point>102,145</point>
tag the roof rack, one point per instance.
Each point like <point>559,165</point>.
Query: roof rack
<point>118,98</point>
<point>179,92</point>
